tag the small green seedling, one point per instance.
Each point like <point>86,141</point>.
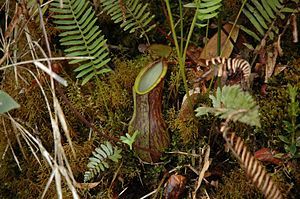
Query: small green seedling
<point>292,138</point>
<point>130,139</point>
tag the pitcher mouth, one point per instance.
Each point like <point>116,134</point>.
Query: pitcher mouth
<point>150,76</point>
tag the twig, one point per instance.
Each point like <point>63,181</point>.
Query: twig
<point>160,184</point>
<point>149,194</point>
<point>6,53</point>
<point>184,153</point>
<point>43,59</point>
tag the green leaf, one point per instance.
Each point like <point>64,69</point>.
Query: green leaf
<point>105,148</point>
<point>292,149</point>
<point>82,37</point>
<point>250,32</point>
<point>284,139</point>
<point>232,103</point>
<point>254,21</point>
<point>133,14</point>
<point>99,161</point>
<point>7,103</point>
<point>262,11</point>
<point>109,146</point>
<point>203,111</point>
<point>268,8</point>
<point>116,156</point>
<point>288,10</point>
<point>87,78</point>
<point>96,160</point>
<point>209,9</point>
<point>257,15</point>
<point>129,139</point>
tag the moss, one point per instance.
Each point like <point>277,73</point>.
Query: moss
<point>236,185</point>
<point>273,106</point>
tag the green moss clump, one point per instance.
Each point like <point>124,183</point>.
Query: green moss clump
<point>273,106</point>
<point>236,185</point>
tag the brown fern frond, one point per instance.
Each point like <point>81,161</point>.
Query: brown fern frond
<point>255,171</point>
<point>123,9</point>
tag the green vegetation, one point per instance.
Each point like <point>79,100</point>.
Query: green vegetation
<point>67,74</point>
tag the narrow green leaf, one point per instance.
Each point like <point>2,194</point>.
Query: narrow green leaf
<point>288,10</point>
<point>254,21</point>
<point>206,16</point>
<point>101,167</point>
<point>87,78</point>
<point>72,32</point>
<point>66,27</point>
<point>259,18</point>
<point>105,148</point>
<point>71,37</point>
<point>268,9</point>
<point>85,72</point>
<point>96,160</point>
<point>284,139</point>
<point>250,32</point>
<point>209,3</point>
<point>73,42</point>
<point>209,9</point>
<point>110,148</point>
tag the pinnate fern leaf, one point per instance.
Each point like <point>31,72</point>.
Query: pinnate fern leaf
<point>207,9</point>
<point>82,37</point>
<point>98,162</point>
<point>234,104</point>
<point>133,14</point>
<point>261,13</point>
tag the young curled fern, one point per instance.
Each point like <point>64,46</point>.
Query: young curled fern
<point>207,9</point>
<point>132,13</point>
<point>81,36</point>
<point>98,162</point>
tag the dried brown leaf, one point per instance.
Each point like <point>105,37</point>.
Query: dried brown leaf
<point>86,185</point>
<point>267,155</point>
<point>174,186</point>
<point>210,50</point>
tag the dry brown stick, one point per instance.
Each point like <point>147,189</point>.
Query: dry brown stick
<point>15,20</point>
<point>6,53</point>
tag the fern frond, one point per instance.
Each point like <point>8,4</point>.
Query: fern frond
<point>132,13</point>
<point>207,9</point>
<point>255,171</point>
<point>98,162</point>
<point>82,37</point>
<point>234,104</point>
<point>261,14</point>
<point>129,140</point>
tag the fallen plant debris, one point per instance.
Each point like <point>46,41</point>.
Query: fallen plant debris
<point>136,99</point>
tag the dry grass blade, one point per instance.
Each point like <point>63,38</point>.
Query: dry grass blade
<point>25,134</point>
<point>202,172</point>
<point>9,144</point>
<point>64,125</point>
<point>51,73</point>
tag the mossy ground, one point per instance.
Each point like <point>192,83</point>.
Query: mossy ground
<point>111,108</point>
<point>108,104</point>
